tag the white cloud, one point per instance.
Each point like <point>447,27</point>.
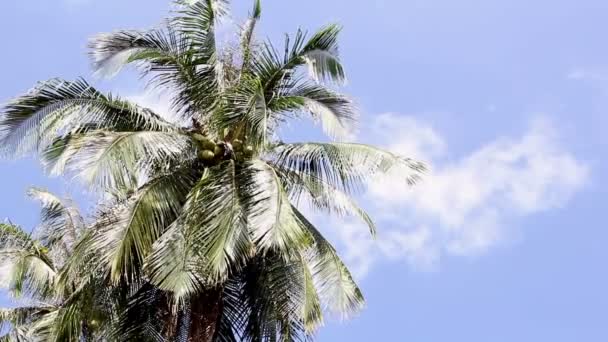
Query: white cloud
<point>462,207</point>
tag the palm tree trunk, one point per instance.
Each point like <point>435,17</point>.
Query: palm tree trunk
<point>205,314</point>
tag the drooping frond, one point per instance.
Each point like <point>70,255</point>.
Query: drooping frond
<point>322,56</point>
<point>119,161</point>
<point>18,323</point>
<point>337,289</point>
<point>123,236</point>
<point>217,221</point>
<point>61,222</point>
<point>166,55</point>
<point>31,269</point>
<point>346,166</point>
<point>56,108</point>
<point>173,265</point>
<point>157,48</point>
<point>32,273</point>
<point>146,317</point>
<point>207,240</point>
<point>282,305</point>
<point>336,112</point>
<point>273,224</point>
<point>322,196</point>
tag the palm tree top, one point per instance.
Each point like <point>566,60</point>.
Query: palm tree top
<point>211,200</point>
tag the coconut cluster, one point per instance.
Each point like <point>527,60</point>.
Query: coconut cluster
<point>212,153</point>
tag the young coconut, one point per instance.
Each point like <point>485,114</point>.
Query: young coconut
<point>248,151</point>
<point>204,142</point>
<point>219,150</point>
<point>237,145</point>
<point>206,155</point>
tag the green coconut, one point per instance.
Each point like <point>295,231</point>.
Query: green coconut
<point>198,137</point>
<point>94,323</point>
<point>204,142</point>
<point>237,144</point>
<point>248,151</point>
<point>207,155</point>
<point>208,145</point>
<point>218,151</point>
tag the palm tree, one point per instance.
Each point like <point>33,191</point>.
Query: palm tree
<point>201,214</point>
<point>49,308</point>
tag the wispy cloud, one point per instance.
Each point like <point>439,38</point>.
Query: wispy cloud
<point>463,207</point>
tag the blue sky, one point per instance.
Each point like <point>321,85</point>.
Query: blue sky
<point>506,101</point>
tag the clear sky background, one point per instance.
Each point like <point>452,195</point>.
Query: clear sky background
<point>507,101</point>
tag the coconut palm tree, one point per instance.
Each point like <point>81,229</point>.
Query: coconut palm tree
<point>49,309</point>
<point>56,304</point>
<point>201,212</point>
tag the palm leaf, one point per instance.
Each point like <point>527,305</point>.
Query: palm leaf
<point>335,284</point>
<point>208,240</point>
<point>167,55</point>
<point>61,222</point>
<point>247,33</point>
<point>56,108</point>
<point>120,161</point>
<point>334,111</point>
<point>217,217</point>
<point>322,196</point>
<point>346,166</point>
<point>276,293</point>
<point>124,235</point>
<point>271,220</point>
<point>319,54</point>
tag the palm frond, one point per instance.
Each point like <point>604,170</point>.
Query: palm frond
<point>322,56</point>
<point>246,113</point>
<point>338,291</point>
<point>31,269</point>
<point>272,222</point>
<point>32,273</point>
<point>169,57</point>
<point>19,323</point>
<point>173,265</point>
<point>122,160</point>
<point>336,112</point>
<point>13,236</point>
<point>124,234</point>
<point>322,196</point>
<point>247,32</point>
<point>197,20</point>
<point>208,240</point>
<point>145,317</point>
<point>157,48</point>
<point>56,108</point>
<point>346,166</point>
<point>319,54</point>
<point>217,219</point>
<point>61,222</point>
<point>280,309</point>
